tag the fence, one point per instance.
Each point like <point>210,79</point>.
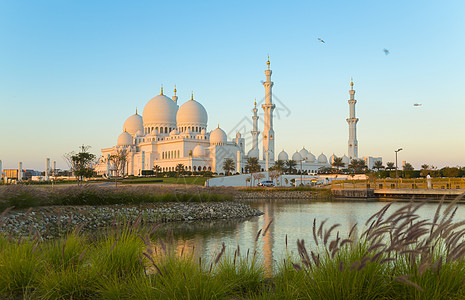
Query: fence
<point>433,183</point>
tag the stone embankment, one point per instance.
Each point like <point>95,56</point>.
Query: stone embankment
<point>50,221</point>
<point>285,195</point>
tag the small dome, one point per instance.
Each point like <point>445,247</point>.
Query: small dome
<point>283,156</point>
<point>133,124</point>
<point>124,139</point>
<point>253,153</point>
<point>218,137</point>
<point>345,160</point>
<point>192,113</point>
<point>203,132</point>
<point>139,133</point>
<point>199,151</point>
<point>154,132</point>
<point>160,110</point>
<point>311,157</point>
<point>322,159</point>
<point>238,135</point>
<point>296,156</point>
<point>173,132</point>
<point>331,159</point>
<point>303,153</point>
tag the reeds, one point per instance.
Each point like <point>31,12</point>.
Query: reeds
<point>398,255</point>
<point>23,196</point>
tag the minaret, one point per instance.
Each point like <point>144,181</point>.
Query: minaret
<point>352,121</point>
<point>268,107</point>
<point>255,132</point>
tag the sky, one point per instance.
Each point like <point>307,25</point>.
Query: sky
<point>71,72</point>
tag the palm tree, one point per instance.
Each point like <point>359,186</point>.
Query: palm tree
<point>357,165</point>
<point>290,164</point>
<point>390,166</point>
<point>179,169</point>
<point>408,167</point>
<point>228,166</point>
<point>252,166</point>
<point>279,165</point>
<point>337,163</point>
<point>156,169</point>
<point>378,165</point>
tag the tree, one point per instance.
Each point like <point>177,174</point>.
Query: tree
<point>119,161</point>
<point>81,164</point>
<point>257,176</point>
<point>290,166</point>
<point>378,165</point>
<point>279,165</point>
<point>337,163</point>
<point>156,169</point>
<point>252,165</point>
<point>408,167</point>
<point>179,169</point>
<point>228,166</point>
<point>390,166</point>
<point>357,166</point>
<point>274,174</point>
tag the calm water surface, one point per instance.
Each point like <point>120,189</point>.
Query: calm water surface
<point>294,219</point>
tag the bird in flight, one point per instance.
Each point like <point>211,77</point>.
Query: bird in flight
<point>417,104</point>
<point>321,41</point>
<point>386,51</point>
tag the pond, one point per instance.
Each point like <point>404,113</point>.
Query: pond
<point>293,219</point>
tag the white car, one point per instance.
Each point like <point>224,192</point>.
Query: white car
<point>266,183</point>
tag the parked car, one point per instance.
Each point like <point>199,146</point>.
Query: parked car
<point>267,183</point>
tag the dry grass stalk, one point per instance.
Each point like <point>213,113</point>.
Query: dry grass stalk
<point>267,227</point>
<point>217,259</point>
<point>403,278</point>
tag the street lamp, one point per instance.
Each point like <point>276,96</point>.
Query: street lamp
<point>397,176</point>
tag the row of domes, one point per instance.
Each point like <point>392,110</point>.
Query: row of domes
<point>163,111</point>
<point>308,156</point>
<point>217,137</point>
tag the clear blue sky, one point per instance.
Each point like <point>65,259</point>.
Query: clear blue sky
<point>71,72</point>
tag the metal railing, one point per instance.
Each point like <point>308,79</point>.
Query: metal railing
<point>418,183</point>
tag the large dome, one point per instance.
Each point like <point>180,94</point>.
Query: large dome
<point>192,113</point>
<point>218,137</point>
<point>283,156</point>
<point>160,110</point>
<point>124,139</point>
<point>133,124</point>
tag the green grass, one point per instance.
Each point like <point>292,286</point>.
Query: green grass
<point>399,256</point>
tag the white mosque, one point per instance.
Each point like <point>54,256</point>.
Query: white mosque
<point>167,135</point>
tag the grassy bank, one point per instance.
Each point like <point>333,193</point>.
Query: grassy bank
<point>22,196</point>
<point>398,256</point>
<point>194,180</point>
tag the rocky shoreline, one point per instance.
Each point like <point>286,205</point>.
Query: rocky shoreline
<point>51,221</point>
<point>273,194</point>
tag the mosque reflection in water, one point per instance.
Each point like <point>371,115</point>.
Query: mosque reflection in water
<point>293,219</point>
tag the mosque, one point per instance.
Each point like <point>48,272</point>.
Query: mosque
<point>167,135</point>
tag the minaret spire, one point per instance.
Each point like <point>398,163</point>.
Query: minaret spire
<point>161,93</point>
<point>255,133</point>
<point>352,121</point>
<point>268,107</point>
<point>175,98</point>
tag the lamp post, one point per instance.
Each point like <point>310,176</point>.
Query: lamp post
<point>397,175</point>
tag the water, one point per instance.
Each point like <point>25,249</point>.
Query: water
<point>294,219</point>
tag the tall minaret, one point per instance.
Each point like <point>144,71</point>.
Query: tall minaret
<point>352,121</point>
<point>268,107</point>
<point>255,132</point>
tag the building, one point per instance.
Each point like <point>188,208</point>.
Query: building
<point>167,135</point>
